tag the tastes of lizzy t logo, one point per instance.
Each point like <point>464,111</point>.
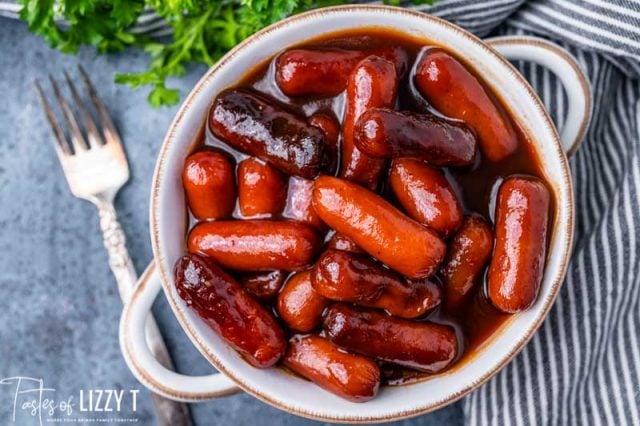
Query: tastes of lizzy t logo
<point>31,399</point>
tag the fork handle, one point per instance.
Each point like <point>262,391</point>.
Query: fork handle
<point>169,412</point>
<point>116,244</point>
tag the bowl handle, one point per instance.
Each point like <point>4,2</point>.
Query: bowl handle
<point>568,71</point>
<point>141,361</point>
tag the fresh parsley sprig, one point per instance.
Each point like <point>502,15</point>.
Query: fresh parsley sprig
<point>202,31</point>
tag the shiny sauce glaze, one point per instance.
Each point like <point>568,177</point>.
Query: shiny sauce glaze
<point>472,316</point>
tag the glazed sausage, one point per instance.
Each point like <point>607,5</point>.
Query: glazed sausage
<point>378,227</point>
<point>263,285</point>
<point>299,205</point>
<point>209,185</point>
<point>340,242</point>
<point>343,277</point>
<point>262,190</point>
<point>258,125</point>
<point>350,376</point>
<point>467,256</point>
<point>372,84</point>
<point>324,72</point>
<point>229,310</point>
<point>328,123</point>
<point>423,346</point>
<point>383,133</point>
<point>426,195</point>
<point>256,245</point>
<point>454,91</point>
<point>515,270</point>
<point>299,305</point>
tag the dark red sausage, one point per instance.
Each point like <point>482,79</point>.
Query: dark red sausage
<point>515,271</point>
<point>423,346</point>
<point>263,285</point>
<point>378,227</point>
<point>467,256</point>
<point>299,206</point>
<point>208,182</point>
<point>324,72</point>
<point>372,84</point>
<point>256,245</point>
<point>229,310</point>
<point>262,190</point>
<point>299,305</point>
<point>340,242</point>
<point>261,126</point>
<point>426,195</point>
<point>353,377</point>
<point>328,123</point>
<point>456,92</point>
<point>343,277</point>
<point>384,133</point>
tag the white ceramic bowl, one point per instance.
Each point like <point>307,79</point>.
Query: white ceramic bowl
<point>286,391</point>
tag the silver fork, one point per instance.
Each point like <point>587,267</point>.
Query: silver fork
<point>96,168</point>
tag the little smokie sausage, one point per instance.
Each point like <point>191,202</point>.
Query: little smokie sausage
<point>299,305</point>
<point>383,133</point>
<point>324,72</point>
<point>515,271</point>
<point>343,277</point>
<point>372,84</point>
<point>456,92</point>
<point>229,310</point>
<point>258,125</point>
<point>263,285</point>
<point>423,346</point>
<point>256,245</point>
<point>328,123</point>
<point>377,227</point>
<point>262,190</point>
<point>299,205</point>
<point>350,376</point>
<point>209,185</point>
<point>468,254</point>
<point>426,195</point>
<point>340,242</point>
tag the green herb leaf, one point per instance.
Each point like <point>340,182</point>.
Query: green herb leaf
<point>160,95</point>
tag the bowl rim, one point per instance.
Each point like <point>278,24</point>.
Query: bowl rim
<point>565,245</point>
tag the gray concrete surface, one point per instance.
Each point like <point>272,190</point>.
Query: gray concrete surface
<point>59,307</point>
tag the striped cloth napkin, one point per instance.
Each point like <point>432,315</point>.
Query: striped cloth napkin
<point>583,366</point>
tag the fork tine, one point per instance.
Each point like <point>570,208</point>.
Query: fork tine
<point>62,147</point>
<point>92,131</point>
<point>111,134</point>
<point>76,135</point>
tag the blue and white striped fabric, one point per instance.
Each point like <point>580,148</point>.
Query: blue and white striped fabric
<point>583,365</point>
